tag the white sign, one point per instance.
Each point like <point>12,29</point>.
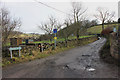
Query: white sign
<point>14,48</point>
<point>114,30</point>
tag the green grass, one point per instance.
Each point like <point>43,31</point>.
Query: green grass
<point>59,39</point>
<point>98,29</point>
<point>74,37</point>
<point>92,30</point>
<point>8,44</point>
<point>62,39</point>
<point>47,41</point>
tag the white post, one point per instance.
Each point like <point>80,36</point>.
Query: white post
<point>19,53</point>
<point>11,53</point>
<point>42,47</point>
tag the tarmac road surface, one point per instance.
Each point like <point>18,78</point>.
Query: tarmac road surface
<point>80,62</point>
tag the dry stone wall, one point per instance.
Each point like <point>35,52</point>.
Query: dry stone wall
<point>114,45</point>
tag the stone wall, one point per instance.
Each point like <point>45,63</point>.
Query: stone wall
<point>29,49</point>
<point>79,42</point>
<point>114,45</point>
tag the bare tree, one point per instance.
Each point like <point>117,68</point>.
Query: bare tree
<point>77,13</point>
<point>104,16</point>
<point>110,18</point>
<point>88,23</point>
<point>50,25</point>
<point>8,24</point>
<point>67,31</point>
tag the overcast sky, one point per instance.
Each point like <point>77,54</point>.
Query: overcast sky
<point>32,13</point>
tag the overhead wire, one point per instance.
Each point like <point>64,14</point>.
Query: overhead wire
<point>51,7</point>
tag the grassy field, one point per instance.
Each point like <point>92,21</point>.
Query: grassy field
<point>59,39</point>
<point>92,30</point>
<point>98,29</point>
<point>62,39</point>
<point>24,35</point>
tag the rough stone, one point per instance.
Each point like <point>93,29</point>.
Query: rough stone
<point>114,45</point>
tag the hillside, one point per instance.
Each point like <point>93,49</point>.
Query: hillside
<point>67,30</point>
<point>18,34</point>
<point>98,29</point>
<point>92,30</point>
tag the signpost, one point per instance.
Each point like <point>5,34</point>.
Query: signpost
<point>55,31</point>
<point>114,29</point>
<point>14,48</point>
<point>55,37</point>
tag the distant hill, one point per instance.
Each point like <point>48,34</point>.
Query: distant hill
<point>98,29</point>
<point>18,34</point>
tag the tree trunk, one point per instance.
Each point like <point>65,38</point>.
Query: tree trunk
<point>66,42</point>
<point>102,25</point>
<point>51,38</point>
<point>77,34</point>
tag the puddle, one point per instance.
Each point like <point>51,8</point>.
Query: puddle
<point>90,69</point>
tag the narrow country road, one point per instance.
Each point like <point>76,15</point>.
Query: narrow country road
<point>80,62</point>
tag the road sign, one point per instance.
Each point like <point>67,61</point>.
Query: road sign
<point>55,31</point>
<point>14,48</point>
<point>55,37</point>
